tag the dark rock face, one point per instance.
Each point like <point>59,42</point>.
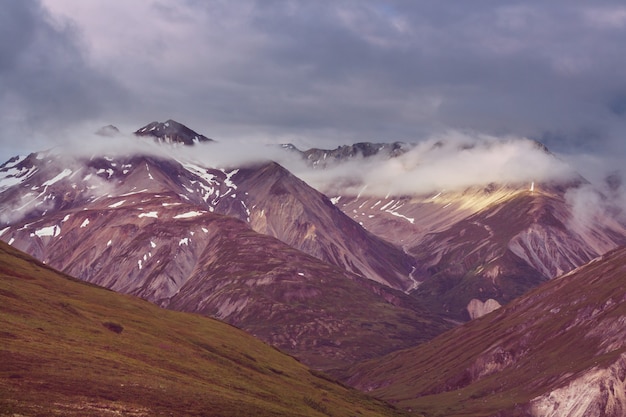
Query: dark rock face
<point>172,132</point>
<point>322,157</point>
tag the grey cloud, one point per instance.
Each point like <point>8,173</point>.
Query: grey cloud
<point>349,70</point>
<point>45,82</point>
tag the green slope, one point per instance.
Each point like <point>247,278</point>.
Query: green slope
<point>500,364</point>
<point>72,349</point>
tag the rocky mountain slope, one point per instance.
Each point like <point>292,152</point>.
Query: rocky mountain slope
<point>285,207</point>
<point>484,244</point>
<point>259,248</point>
<point>507,248</point>
<point>73,349</point>
<point>558,351</point>
<point>149,226</point>
<point>267,196</point>
<point>322,157</point>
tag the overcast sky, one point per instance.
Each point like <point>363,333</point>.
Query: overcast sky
<point>316,73</point>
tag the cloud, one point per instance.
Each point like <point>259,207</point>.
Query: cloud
<point>453,161</point>
<point>325,72</point>
<point>46,84</point>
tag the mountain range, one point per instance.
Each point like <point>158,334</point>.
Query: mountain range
<point>152,227</point>
<point>354,283</point>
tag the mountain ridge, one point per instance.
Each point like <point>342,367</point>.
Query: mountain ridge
<point>557,351</point>
<point>157,231</point>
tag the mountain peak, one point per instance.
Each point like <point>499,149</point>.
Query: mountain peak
<point>171,131</point>
<point>317,156</point>
<point>108,130</point>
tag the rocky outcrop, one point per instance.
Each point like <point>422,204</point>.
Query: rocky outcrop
<point>477,308</point>
<point>597,392</point>
<point>171,131</point>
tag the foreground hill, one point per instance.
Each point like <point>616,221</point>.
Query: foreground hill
<point>73,349</point>
<point>558,351</point>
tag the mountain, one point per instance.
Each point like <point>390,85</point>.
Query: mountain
<point>330,280</point>
<point>172,132</point>
<point>150,226</point>
<point>281,205</point>
<point>508,248</point>
<point>73,349</point>
<point>485,244</point>
<point>491,243</point>
<point>322,157</point>
<point>559,350</point>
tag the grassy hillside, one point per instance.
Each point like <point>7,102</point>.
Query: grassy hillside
<point>72,349</point>
<point>553,338</point>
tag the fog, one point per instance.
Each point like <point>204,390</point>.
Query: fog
<point>448,161</point>
<point>451,161</point>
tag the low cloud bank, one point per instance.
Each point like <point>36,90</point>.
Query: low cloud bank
<point>449,161</point>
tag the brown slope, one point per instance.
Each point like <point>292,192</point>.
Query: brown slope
<point>271,199</point>
<point>162,248</point>
<point>71,349</point>
<point>560,350</point>
<point>487,243</point>
<point>508,248</point>
<point>406,219</point>
<point>281,205</point>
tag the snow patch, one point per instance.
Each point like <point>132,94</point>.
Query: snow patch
<point>118,204</point>
<point>152,214</point>
<point>84,223</point>
<point>228,180</point>
<point>409,219</point>
<point>183,241</point>
<point>52,231</point>
<point>189,215</point>
<point>477,308</point>
<point>66,172</point>
<point>134,192</point>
